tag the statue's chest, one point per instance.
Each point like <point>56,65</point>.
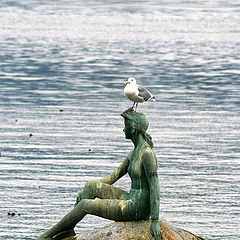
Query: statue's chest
<point>135,168</point>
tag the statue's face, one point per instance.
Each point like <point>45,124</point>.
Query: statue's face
<point>127,129</point>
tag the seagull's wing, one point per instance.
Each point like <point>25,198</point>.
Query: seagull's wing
<point>144,93</point>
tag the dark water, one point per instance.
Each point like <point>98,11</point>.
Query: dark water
<point>62,67</point>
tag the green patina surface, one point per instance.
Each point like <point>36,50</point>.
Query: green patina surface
<point>101,198</point>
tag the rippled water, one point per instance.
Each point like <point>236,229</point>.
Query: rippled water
<point>63,64</point>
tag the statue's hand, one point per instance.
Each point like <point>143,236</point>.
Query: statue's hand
<point>155,230</point>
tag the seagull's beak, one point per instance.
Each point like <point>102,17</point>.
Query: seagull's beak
<point>127,82</point>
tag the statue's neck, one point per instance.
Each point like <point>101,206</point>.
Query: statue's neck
<point>138,140</point>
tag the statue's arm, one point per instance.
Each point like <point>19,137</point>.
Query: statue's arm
<point>117,173</point>
<point>150,168</point>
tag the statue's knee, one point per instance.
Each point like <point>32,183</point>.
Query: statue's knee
<point>84,204</point>
<point>90,190</point>
<point>89,184</point>
<point>92,184</point>
<point>87,191</point>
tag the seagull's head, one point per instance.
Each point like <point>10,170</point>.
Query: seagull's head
<point>131,80</point>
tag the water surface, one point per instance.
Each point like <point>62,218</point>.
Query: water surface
<point>63,64</point>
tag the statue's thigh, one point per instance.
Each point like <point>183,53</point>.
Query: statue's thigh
<point>106,191</point>
<point>113,209</point>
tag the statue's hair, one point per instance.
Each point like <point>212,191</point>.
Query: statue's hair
<point>140,123</point>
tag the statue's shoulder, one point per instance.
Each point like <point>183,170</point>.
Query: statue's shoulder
<point>149,156</point>
<point>130,155</point>
<point>146,149</point>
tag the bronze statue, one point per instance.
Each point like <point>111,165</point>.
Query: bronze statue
<point>102,199</point>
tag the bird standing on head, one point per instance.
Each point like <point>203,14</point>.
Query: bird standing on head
<point>137,93</point>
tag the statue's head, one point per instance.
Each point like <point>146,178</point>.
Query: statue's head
<point>135,123</point>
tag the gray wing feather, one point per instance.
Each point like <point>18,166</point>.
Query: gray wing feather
<point>144,93</point>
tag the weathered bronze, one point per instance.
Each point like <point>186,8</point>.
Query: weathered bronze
<point>104,200</point>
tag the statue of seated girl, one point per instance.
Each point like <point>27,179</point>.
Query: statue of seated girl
<point>102,199</point>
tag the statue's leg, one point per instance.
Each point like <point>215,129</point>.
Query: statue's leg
<point>66,224</point>
<point>96,189</point>
<point>93,189</point>
<point>114,209</point>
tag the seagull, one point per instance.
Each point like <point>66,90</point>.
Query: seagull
<point>137,93</point>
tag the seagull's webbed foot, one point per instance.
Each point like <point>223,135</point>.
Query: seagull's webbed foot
<point>134,111</point>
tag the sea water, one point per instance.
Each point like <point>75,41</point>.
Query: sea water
<point>62,68</point>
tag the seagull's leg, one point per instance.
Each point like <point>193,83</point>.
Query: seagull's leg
<point>133,106</point>
<point>136,107</point>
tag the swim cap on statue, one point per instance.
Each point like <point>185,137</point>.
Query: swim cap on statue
<point>140,121</point>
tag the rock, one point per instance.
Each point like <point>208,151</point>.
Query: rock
<point>139,230</point>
